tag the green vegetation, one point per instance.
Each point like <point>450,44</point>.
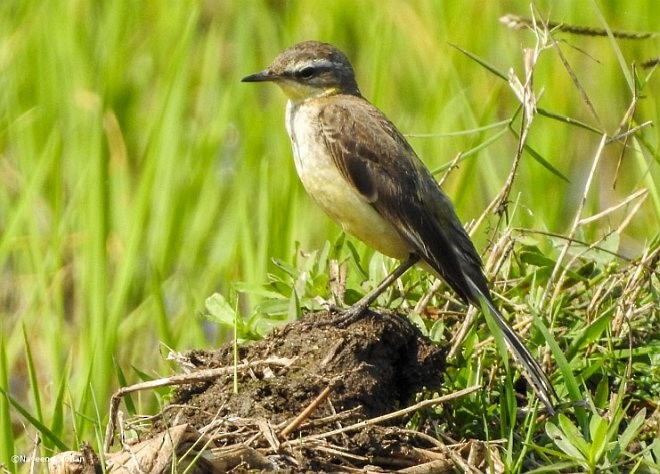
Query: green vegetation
<point>138,177</point>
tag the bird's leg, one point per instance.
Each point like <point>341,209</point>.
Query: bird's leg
<point>349,315</point>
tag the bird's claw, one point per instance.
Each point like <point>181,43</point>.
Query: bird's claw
<point>340,317</point>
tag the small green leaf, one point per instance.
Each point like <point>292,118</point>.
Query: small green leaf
<point>220,311</point>
<point>281,288</point>
<point>273,307</point>
<point>289,269</point>
<point>356,258</point>
<point>598,434</point>
<point>563,441</point>
<point>573,435</point>
<point>536,258</point>
<point>634,426</point>
<point>589,334</point>
<point>257,290</point>
<point>338,246</point>
<point>417,320</point>
<point>437,331</point>
<point>352,296</point>
<point>587,270</point>
<point>602,393</point>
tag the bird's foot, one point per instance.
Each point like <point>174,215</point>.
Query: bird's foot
<point>344,317</point>
<point>341,317</point>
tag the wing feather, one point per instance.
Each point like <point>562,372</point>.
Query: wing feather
<point>373,156</point>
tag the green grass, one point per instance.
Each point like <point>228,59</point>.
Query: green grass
<point>138,176</point>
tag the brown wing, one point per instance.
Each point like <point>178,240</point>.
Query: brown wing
<point>379,162</point>
<point>377,159</point>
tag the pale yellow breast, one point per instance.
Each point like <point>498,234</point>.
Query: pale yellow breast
<point>336,196</point>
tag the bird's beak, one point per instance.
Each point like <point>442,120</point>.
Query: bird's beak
<point>262,76</point>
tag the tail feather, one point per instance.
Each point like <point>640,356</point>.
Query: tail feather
<point>532,370</point>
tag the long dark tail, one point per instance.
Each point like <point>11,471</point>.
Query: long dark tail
<point>532,370</point>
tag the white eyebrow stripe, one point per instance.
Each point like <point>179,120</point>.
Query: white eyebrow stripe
<point>323,63</point>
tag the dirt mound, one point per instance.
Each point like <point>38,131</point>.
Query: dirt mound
<point>374,366</point>
<point>310,397</point>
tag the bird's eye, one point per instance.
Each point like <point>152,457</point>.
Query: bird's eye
<point>307,72</point>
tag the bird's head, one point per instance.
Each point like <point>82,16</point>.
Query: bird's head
<point>310,69</point>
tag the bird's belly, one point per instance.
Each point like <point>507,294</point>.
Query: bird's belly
<point>337,197</point>
<point>349,209</point>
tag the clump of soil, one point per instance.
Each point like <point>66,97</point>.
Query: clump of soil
<point>312,397</point>
<point>374,365</point>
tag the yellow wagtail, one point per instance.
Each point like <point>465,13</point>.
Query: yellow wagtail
<point>363,173</point>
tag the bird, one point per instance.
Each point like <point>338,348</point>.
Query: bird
<point>362,172</point>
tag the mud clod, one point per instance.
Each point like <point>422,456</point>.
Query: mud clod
<point>375,365</point>
<point>308,400</point>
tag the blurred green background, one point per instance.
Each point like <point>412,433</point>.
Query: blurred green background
<point>138,175</point>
